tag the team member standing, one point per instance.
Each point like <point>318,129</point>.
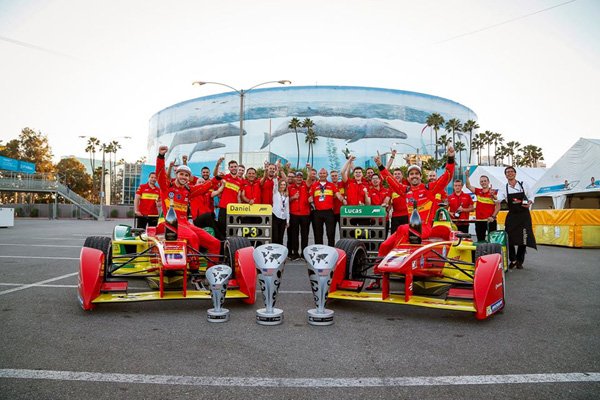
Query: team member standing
<point>321,196</point>
<point>518,224</point>
<point>202,207</point>
<point>299,216</point>
<point>146,203</point>
<point>267,184</point>
<point>337,204</point>
<point>460,205</point>
<point>228,192</point>
<point>281,209</point>
<point>425,197</point>
<point>442,197</point>
<point>356,187</point>
<point>178,194</point>
<point>250,192</point>
<point>486,206</point>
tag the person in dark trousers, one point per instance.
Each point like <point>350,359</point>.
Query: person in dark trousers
<point>321,196</point>
<point>518,224</point>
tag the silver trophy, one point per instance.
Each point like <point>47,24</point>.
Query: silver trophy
<point>218,277</point>
<point>269,260</point>
<point>321,261</point>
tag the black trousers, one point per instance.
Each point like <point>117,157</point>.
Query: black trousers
<point>481,229</point>
<point>327,218</point>
<point>464,228</point>
<point>519,256</point>
<point>141,222</point>
<point>299,224</point>
<point>221,225</point>
<point>278,229</point>
<point>397,221</point>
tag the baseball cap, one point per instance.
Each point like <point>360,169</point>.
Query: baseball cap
<point>414,166</point>
<point>183,168</point>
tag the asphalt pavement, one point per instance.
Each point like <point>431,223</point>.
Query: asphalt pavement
<point>545,344</point>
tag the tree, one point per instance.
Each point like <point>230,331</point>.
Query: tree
<point>31,146</point>
<point>92,145</point>
<point>310,135</point>
<point>511,149</point>
<point>295,124</point>
<point>478,143</point>
<point>469,127</point>
<point>488,139</point>
<point>497,139</point>
<point>453,126</point>
<point>11,149</point>
<point>435,121</point>
<point>531,155</point>
<point>73,174</point>
<point>444,141</point>
<point>459,147</point>
<point>311,139</point>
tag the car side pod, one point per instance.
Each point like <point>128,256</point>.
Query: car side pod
<point>321,261</point>
<point>218,277</point>
<point>269,260</point>
<point>90,276</point>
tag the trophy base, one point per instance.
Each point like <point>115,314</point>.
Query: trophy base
<point>273,318</point>
<point>221,315</point>
<point>320,318</point>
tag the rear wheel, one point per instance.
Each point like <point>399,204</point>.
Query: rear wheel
<point>356,258</point>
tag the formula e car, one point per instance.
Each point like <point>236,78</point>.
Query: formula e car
<point>446,271</point>
<point>108,265</point>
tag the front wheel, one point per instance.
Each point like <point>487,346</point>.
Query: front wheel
<point>356,258</point>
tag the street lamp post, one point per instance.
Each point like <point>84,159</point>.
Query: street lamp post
<point>242,94</point>
<point>102,177</point>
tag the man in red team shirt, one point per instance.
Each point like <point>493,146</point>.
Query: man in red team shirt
<point>321,195</point>
<point>250,192</point>
<point>299,216</point>
<point>486,204</point>
<point>357,187</point>
<point>337,204</point>
<point>460,205</point>
<point>177,193</point>
<point>266,183</point>
<point>202,207</point>
<point>399,207</point>
<point>425,197</point>
<point>443,196</point>
<point>146,202</point>
<point>229,189</point>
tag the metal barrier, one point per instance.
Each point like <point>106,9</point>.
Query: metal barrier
<point>250,221</point>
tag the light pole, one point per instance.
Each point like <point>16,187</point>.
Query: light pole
<point>103,146</point>
<point>242,93</point>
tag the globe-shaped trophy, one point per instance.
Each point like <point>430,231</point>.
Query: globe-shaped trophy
<point>218,277</point>
<point>269,260</point>
<point>321,261</point>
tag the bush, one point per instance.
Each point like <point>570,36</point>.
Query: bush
<point>18,212</point>
<point>130,214</point>
<point>114,213</point>
<point>34,213</point>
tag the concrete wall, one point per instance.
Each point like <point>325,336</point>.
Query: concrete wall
<point>66,211</point>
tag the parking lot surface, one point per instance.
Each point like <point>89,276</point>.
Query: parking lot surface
<point>544,345</point>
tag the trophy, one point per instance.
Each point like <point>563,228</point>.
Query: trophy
<point>321,261</point>
<point>269,259</point>
<point>218,277</point>
<point>346,153</point>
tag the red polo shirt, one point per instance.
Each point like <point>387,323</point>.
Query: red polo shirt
<point>299,206</point>
<point>230,194</point>
<point>266,193</point>
<point>462,200</point>
<point>148,198</point>
<point>355,193</point>
<point>323,194</point>
<point>486,203</point>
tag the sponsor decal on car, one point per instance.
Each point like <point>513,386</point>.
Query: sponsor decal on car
<point>497,305</point>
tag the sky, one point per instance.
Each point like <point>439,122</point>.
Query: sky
<point>528,68</point>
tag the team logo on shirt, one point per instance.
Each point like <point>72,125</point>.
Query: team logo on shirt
<point>171,195</point>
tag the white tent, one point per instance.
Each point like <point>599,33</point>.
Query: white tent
<point>497,178</point>
<point>572,175</point>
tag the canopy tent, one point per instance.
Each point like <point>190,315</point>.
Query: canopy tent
<point>497,178</point>
<point>575,176</point>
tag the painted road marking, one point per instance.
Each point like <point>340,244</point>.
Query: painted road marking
<point>576,377</point>
<point>43,258</point>
<point>37,245</point>
<point>37,283</point>
<point>131,287</point>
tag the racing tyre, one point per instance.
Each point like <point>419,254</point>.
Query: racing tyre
<point>231,245</point>
<point>356,258</point>
<point>487,248</point>
<point>104,244</point>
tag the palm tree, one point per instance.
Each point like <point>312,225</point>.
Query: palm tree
<point>91,147</point>
<point>501,153</point>
<point>435,121</point>
<point>511,149</point>
<point>295,124</point>
<point>308,124</point>
<point>444,141</point>
<point>478,144</point>
<point>311,139</point>
<point>531,154</point>
<point>459,147</point>
<point>454,125</point>
<point>470,126</point>
<point>112,149</point>
<point>488,139</point>
<point>497,139</point>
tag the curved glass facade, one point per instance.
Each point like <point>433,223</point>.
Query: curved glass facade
<point>362,119</point>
